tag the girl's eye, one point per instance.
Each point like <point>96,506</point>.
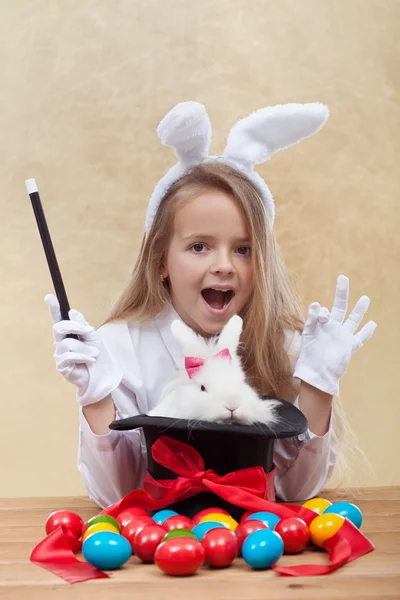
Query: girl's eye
<point>197,248</point>
<point>203,389</point>
<point>244,250</point>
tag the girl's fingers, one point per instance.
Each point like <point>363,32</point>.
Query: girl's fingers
<point>363,335</point>
<point>64,328</point>
<point>54,307</point>
<point>357,314</point>
<point>77,317</point>
<point>324,315</point>
<point>77,346</point>
<point>312,319</point>
<point>339,308</point>
<point>72,358</point>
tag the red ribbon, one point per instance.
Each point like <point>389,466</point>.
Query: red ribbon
<point>251,489</point>
<point>56,554</point>
<point>194,364</point>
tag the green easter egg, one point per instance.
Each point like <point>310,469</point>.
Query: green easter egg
<point>104,519</point>
<point>179,533</point>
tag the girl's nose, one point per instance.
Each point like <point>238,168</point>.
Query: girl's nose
<point>222,263</point>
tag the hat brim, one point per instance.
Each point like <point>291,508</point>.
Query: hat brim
<point>291,423</point>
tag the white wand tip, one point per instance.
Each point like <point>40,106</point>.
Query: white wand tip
<point>31,185</point>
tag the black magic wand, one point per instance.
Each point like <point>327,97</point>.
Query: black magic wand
<point>49,250</point>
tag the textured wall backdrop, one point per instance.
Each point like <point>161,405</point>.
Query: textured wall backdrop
<point>84,85</point>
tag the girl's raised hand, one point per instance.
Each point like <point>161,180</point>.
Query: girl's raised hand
<point>84,362</point>
<point>328,340</point>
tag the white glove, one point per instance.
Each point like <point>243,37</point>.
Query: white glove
<point>328,342</point>
<point>84,362</point>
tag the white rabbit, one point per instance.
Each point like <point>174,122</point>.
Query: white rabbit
<point>215,390</point>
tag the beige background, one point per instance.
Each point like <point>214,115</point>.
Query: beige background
<point>83,86</point>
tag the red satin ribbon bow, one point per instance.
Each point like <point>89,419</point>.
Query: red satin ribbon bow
<point>246,488</point>
<point>194,364</point>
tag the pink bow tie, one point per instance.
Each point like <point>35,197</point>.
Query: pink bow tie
<point>194,364</point>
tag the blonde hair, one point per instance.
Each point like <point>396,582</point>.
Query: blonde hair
<point>273,306</point>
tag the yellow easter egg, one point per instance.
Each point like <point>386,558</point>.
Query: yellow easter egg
<point>226,520</point>
<point>99,527</point>
<point>317,504</point>
<point>324,527</point>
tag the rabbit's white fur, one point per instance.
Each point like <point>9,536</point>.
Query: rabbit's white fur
<point>223,380</point>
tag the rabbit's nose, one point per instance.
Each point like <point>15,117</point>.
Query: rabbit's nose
<point>231,410</point>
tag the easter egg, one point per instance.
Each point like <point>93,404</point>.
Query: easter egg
<point>134,512</point>
<point>147,541</point>
<point>208,511</point>
<point>178,522</point>
<point>246,514</point>
<point>348,510</point>
<point>162,515</point>
<point>294,533</point>
<point>103,519</point>
<point>133,527</point>
<point>325,526</point>
<point>220,547</point>
<point>226,520</point>
<point>69,519</point>
<point>106,550</point>
<point>245,529</point>
<point>318,505</point>
<point>179,556</point>
<point>270,519</point>
<point>179,533</point>
<point>98,527</point>
<point>262,548</point>
<point>201,529</point>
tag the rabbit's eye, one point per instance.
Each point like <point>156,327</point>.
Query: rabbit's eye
<point>203,389</point>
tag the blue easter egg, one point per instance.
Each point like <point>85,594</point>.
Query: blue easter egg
<point>162,515</point>
<point>268,518</point>
<point>106,550</point>
<point>262,548</point>
<point>202,528</point>
<point>348,510</point>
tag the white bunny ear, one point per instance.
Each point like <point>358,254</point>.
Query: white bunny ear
<point>190,343</point>
<point>187,129</point>
<point>253,139</point>
<point>230,335</point>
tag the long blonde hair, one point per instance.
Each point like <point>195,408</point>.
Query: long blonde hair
<point>273,307</point>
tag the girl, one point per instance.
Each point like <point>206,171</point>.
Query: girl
<point>209,252</point>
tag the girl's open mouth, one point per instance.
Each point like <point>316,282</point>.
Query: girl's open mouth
<point>217,300</point>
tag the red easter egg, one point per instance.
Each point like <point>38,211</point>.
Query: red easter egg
<point>245,528</point>
<point>179,556</point>
<point>147,540</point>
<point>294,533</point>
<point>246,514</point>
<point>130,513</point>
<point>69,519</point>
<point>178,522</point>
<point>208,511</point>
<point>131,528</point>
<point>220,546</point>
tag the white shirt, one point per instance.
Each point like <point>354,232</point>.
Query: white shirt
<point>114,464</point>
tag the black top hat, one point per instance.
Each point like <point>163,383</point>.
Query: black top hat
<point>223,447</point>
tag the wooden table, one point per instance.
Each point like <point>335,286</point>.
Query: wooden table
<point>376,575</point>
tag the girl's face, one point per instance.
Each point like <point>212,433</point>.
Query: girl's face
<point>208,262</point>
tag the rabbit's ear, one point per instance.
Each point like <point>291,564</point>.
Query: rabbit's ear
<point>253,139</point>
<point>190,343</point>
<point>230,335</point>
<point>187,129</point>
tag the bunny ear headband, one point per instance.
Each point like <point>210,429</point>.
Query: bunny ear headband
<point>251,141</point>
